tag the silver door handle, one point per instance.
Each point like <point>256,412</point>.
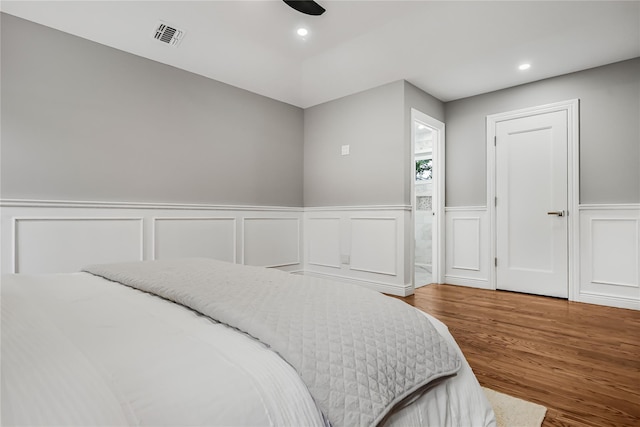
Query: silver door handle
<point>558,213</point>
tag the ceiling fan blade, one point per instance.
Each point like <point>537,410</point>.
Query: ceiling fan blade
<point>308,7</point>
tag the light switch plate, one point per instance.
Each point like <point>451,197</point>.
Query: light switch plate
<point>345,150</point>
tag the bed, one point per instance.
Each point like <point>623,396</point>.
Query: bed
<point>88,348</point>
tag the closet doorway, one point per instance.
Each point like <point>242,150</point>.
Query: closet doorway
<point>427,194</point>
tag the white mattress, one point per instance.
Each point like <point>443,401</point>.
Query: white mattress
<point>80,350</point>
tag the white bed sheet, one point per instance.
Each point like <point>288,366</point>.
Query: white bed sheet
<point>80,350</point>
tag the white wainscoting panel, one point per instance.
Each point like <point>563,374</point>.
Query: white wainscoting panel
<point>364,245</point>
<point>63,236</point>
<point>323,235</point>
<point>65,245</point>
<point>610,255</point>
<point>177,237</point>
<point>374,245</point>
<point>466,243</point>
<point>467,246</point>
<point>271,242</point>
<point>619,267</point>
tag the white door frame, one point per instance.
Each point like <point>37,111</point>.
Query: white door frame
<point>573,182</point>
<point>437,200</point>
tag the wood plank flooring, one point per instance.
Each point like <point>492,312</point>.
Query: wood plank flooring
<point>581,361</point>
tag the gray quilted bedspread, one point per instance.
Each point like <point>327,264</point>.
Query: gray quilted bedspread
<point>359,352</point>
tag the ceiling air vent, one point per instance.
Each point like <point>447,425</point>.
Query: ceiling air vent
<point>168,34</point>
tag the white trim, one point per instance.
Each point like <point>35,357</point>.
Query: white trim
<point>374,217</point>
<point>338,267</point>
<point>468,282</point>
<point>137,205</point>
<point>334,218</point>
<point>573,182</point>
<point>608,300</point>
<point>358,208</point>
<point>465,208</point>
<point>609,207</point>
<point>37,203</point>
<point>438,229</point>
<point>604,282</point>
<point>399,290</point>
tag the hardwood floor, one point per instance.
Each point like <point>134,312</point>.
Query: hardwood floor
<point>581,361</point>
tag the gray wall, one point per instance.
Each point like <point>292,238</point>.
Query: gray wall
<point>371,123</point>
<point>82,121</point>
<point>376,125</point>
<point>609,133</point>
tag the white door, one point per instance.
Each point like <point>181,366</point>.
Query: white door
<point>531,204</point>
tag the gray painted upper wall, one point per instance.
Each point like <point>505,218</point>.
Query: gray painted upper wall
<point>423,102</point>
<point>371,123</point>
<point>609,133</point>
<point>82,121</point>
<point>376,125</point>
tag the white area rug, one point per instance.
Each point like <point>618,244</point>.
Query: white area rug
<point>513,412</point>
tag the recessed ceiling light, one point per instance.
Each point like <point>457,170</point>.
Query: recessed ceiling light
<point>524,66</point>
<point>302,32</point>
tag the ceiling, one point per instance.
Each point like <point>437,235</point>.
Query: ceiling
<point>450,49</point>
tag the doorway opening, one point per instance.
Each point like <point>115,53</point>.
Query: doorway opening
<point>427,191</point>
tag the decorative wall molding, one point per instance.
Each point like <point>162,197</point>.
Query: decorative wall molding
<point>618,268</point>
<point>465,209</point>
<point>466,243</point>
<point>374,245</point>
<point>610,255</point>
<point>34,230</point>
<point>193,237</point>
<point>323,235</point>
<point>169,231</point>
<point>49,244</point>
<point>467,246</point>
<point>26,203</point>
<point>610,207</point>
<point>271,241</point>
<point>360,246</point>
<point>358,208</point>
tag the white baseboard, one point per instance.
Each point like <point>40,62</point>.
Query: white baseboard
<point>465,281</point>
<point>386,288</point>
<point>610,301</point>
